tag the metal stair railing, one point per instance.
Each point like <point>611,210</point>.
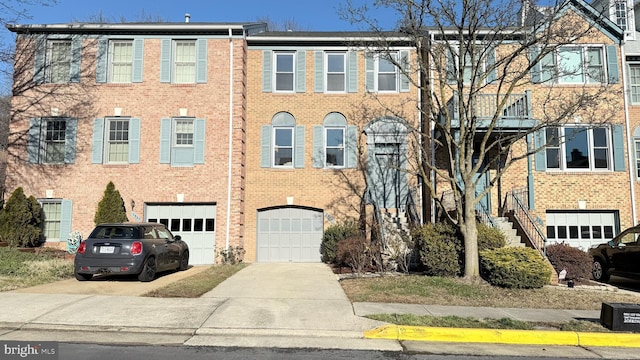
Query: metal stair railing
<point>526,222</point>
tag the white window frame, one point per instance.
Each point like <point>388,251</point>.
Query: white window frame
<point>58,65</point>
<point>116,141</point>
<point>341,147</point>
<point>328,73</point>
<point>620,14</point>
<point>634,83</point>
<point>636,145</point>
<point>583,70</point>
<point>180,133</point>
<point>53,138</point>
<point>377,72</point>
<point>560,145</point>
<point>278,72</point>
<point>275,147</point>
<point>51,219</point>
<point>120,62</point>
<point>180,76</point>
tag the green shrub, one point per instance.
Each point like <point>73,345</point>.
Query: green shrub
<point>439,247</point>
<point>354,252</point>
<point>111,207</point>
<point>332,235</point>
<point>490,238</point>
<point>21,220</point>
<point>575,261</point>
<point>232,256</point>
<point>514,267</point>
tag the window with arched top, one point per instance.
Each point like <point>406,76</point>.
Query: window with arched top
<point>282,143</point>
<point>335,143</point>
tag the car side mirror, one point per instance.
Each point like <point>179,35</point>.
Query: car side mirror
<point>177,238</point>
<point>610,243</point>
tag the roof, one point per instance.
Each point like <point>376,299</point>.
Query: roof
<point>141,28</point>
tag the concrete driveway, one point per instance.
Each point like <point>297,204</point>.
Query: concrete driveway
<point>111,285</point>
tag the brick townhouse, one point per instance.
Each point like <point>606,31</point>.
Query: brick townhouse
<point>236,136</point>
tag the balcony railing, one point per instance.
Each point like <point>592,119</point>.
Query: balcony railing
<point>514,112</point>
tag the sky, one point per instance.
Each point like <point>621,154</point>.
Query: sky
<point>317,15</point>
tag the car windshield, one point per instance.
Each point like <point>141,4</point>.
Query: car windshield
<point>114,232</point>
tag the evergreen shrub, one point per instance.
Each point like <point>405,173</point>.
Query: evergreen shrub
<point>514,267</point>
<point>332,235</point>
<point>111,207</point>
<point>21,220</point>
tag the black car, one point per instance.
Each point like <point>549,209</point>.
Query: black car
<point>130,248</point>
<point>619,257</point>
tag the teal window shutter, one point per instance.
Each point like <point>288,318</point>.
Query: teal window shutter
<point>318,83</point>
<point>451,67</point>
<point>76,58</point>
<point>165,141</point>
<point>101,60</point>
<point>299,150</point>
<point>134,141</point>
<point>39,59</point>
<point>301,71</point>
<point>491,65</point>
<point>618,148</point>
<point>138,59</point>
<point>370,72</point>
<point>70,141</point>
<point>97,140</point>
<point>265,147</point>
<point>66,211</point>
<point>536,69</point>
<point>352,68</point>
<point>352,147</point>
<point>201,60</point>
<point>612,64</point>
<point>199,137</point>
<point>540,157</point>
<point>405,82</point>
<point>318,146</point>
<point>33,142</point>
<point>267,72</point>
<point>165,60</point>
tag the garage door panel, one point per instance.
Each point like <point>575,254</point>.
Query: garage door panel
<point>580,229</point>
<point>292,235</point>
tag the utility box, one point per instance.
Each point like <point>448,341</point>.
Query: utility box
<point>620,316</point>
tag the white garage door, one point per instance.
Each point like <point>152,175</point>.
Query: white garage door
<point>195,223</point>
<point>289,234</point>
<point>581,229</point>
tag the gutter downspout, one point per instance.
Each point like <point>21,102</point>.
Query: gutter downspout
<point>230,159</point>
<point>630,148</point>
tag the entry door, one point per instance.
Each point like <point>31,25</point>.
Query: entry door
<point>388,172</point>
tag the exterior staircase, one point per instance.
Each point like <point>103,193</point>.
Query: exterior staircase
<point>511,234</point>
<point>396,235</point>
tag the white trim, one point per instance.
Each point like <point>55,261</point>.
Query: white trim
<point>275,72</point>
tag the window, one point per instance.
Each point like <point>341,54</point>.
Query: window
<point>283,146</point>
<point>59,61</point>
<point>636,143</point>
<point>579,148</point>
<point>334,147</point>
<point>574,65</point>
<point>334,143</point>
<point>52,140</point>
<point>182,141</point>
<point>116,141</point>
<point>52,214</point>
<point>284,71</point>
<point>387,73</point>
<point>621,14</point>
<point>185,62</point>
<point>121,61</point>
<point>282,143</point>
<point>336,72</point>
<point>634,83</point>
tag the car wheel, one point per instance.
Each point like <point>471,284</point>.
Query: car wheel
<point>83,277</point>
<point>148,272</point>
<point>599,271</point>
<point>184,261</point>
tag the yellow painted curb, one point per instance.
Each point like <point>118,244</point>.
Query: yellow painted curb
<point>523,337</point>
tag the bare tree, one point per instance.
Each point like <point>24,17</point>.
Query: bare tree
<point>283,25</point>
<point>476,64</point>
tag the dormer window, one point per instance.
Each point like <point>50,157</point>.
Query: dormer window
<point>620,9</point>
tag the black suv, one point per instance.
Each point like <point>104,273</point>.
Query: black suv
<point>619,257</point>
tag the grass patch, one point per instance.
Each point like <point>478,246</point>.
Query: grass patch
<point>417,289</point>
<point>469,323</point>
<point>198,284</point>
<point>19,269</point>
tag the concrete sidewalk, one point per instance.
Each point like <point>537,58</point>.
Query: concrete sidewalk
<point>271,305</point>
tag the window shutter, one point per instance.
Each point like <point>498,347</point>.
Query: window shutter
<point>318,83</point>
<point>33,143</point>
<point>318,147</point>
<point>352,68</point>
<point>39,59</point>
<point>370,78</point>
<point>404,71</point>
<point>536,70</point>
<point>618,148</point>
<point>66,210</point>
<point>612,64</point>
<point>101,60</point>
<point>97,141</point>
<point>201,61</point>
<point>199,141</point>
<point>540,157</point>
<point>299,150</point>
<point>76,58</point>
<point>491,65</point>
<point>265,147</point>
<point>451,68</point>
<point>134,141</point>
<point>70,141</point>
<point>301,71</point>
<point>138,59</point>
<point>352,147</point>
<point>165,60</point>
<point>267,73</point>
<point>165,141</point>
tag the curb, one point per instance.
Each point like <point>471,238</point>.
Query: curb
<point>498,336</point>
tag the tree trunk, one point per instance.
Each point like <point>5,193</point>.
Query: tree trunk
<point>469,231</point>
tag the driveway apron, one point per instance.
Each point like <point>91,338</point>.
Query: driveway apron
<point>284,296</point>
